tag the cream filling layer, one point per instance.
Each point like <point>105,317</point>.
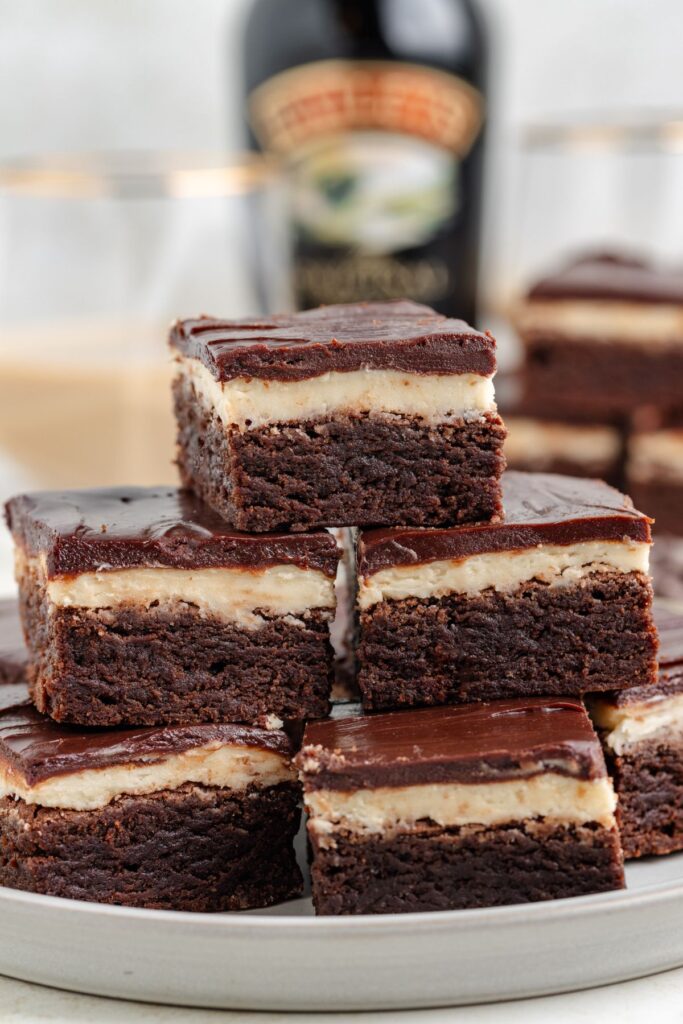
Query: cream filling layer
<point>540,443</point>
<point>656,455</point>
<point>247,404</point>
<point>233,595</point>
<point>599,320</point>
<point>216,765</point>
<point>632,724</point>
<point>558,565</point>
<point>550,796</point>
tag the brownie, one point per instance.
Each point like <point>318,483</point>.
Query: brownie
<point>199,817</point>
<point>556,599</point>
<point>449,808</point>
<point>642,734</point>
<point>12,647</point>
<point>603,333</point>
<point>366,414</point>
<point>142,606</point>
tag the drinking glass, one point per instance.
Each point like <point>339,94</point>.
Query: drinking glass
<point>97,255</point>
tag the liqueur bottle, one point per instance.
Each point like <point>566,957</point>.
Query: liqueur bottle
<point>377,110</point>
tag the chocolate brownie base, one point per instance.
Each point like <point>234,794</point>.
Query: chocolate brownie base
<point>356,470</point>
<point>157,666</point>
<point>663,500</point>
<point>649,783</point>
<point>594,635</point>
<point>431,868</point>
<point>193,848</point>
<point>604,376</point>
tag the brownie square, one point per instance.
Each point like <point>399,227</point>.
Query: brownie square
<point>199,817</point>
<point>448,808</point>
<point>604,332</point>
<point>142,606</point>
<point>556,599</point>
<point>642,733</point>
<point>369,414</point>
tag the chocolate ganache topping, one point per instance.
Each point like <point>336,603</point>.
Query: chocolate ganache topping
<point>38,748</point>
<point>615,277</point>
<point>540,508</point>
<point>399,335</point>
<point>471,743</point>
<point>155,527</point>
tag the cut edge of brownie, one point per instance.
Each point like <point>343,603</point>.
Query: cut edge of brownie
<point>432,868</point>
<point>164,666</point>
<point>648,780</point>
<point>602,375</point>
<point>416,651</point>
<point>194,848</point>
<point>343,470</point>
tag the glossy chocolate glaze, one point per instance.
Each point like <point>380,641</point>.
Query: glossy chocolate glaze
<point>38,748</point>
<point>12,647</point>
<point>540,508</point>
<point>611,276</point>
<point>128,527</point>
<point>399,335</point>
<point>669,624</point>
<point>472,743</point>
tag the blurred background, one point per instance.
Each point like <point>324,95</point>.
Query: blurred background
<point>128,197</point>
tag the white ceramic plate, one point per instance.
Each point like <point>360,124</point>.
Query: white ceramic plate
<point>286,959</point>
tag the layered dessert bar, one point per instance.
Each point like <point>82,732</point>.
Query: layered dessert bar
<point>642,734</point>
<point>12,648</point>
<point>447,808</point>
<point>142,606</point>
<point>605,332</point>
<point>379,413</point>
<point>556,599</point>
<point>199,817</point>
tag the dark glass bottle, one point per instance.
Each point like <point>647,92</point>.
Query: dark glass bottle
<point>377,108</point>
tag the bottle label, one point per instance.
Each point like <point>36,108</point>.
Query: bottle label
<point>373,152</point>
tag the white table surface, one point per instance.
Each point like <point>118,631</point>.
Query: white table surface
<point>658,998</point>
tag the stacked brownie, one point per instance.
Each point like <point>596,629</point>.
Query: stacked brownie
<point>445,808</point>
<point>377,413</point>
<point>169,660</point>
<point>602,382</point>
<point>151,767</point>
<point>342,480</point>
